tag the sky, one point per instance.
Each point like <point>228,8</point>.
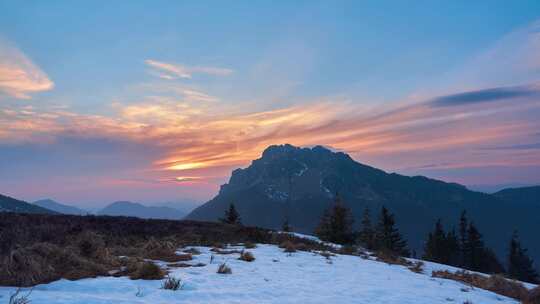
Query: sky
<point>157,101</point>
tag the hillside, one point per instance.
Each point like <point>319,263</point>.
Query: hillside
<point>525,196</point>
<point>60,208</point>
<point>8,204</point>
<point>299,183</point>
<point>273,277</point>
<point>141,211</point>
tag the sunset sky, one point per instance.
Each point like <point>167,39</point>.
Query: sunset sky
<point>156,101</point>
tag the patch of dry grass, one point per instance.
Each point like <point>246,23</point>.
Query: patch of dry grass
<point>246,256</point>
<point>495,283</point>
<point>224,269</point>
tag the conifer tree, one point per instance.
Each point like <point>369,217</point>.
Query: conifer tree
<point>520,265</point>
<point>442,247</point>
<point>387,235</point>
<point>477,256</point>
<point>473,248</point>
<point>435,246</point>
<point>366,235</point>
<point>231,216</point>
<point>336,224</point>
<point>286,227</point>
<point>463,226</point>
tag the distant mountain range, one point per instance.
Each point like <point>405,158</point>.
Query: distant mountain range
<point>299,183</point>
<point>8,204</point>
<point>60,208</point>
<point>48,206</point>
<point>138,210</point>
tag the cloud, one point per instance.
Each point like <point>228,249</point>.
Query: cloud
<point>531,146</point>
<point>485,95</point>
<point>19,76</point>
<point>174,71</point>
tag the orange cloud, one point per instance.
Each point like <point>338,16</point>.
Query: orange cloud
<point>197,140</point>
<point>19,76</point>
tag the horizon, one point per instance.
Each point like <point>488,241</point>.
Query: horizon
<point>160,103</point>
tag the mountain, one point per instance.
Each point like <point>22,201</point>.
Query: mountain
<point>300,183</point>
<point>8,204</point>
<point>141,211</point>
<point>185,206</point>
<point>60,208</point>
<point>525,196</point>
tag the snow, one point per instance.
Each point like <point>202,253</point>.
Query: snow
<point>274,277</point>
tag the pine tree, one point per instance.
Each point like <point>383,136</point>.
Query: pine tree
<point>231,216</point>
<point>435,246</point>
<point>387,235</point>
<point>473,248</point>
<point>336,224</point>
<point>285,226</point>
<point>367,235</point>
<point>452,247</point>
<point>520,266</point>
<point>463,226</point>
<point>442,247</point>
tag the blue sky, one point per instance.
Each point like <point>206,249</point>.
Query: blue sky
<point>138,86</point>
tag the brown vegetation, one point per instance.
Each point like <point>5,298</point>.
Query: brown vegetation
<point>250,245</point>
<point>172,283</point>
<point>495,283</point>
<point>224,269</point>
<point>533,297</point>
<point>246,256</point>
<point>417,267</point>
<point>391,258</point>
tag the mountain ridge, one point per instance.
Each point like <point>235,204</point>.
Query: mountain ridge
<point>9,204</point>
<point>126,208</point>
<point>60,208</point>
<point>299,183</point>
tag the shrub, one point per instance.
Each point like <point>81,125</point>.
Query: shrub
<point>192,251</point>
<point>250,245</point>
<point>534,296</point>
<point>348,249</point>
<point>326,254</point>
<point>172,283</point>
<point>288,246</point>
<point>224,269</point>
<point>391,258</point>
<point>148,271</point>
<point>90,243</point>
<point>302,247</point>
<point>494,283</point>
<point>246,256</point>
<point>417,267</point>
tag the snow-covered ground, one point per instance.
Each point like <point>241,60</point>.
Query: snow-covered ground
<point>274,277</point>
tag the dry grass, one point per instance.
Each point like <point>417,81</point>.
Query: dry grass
<point>224,269</point>
<point>37,249</point>
<point>391,258</point>
<point>192,251</point>
<point>250,245</point>
<point>172,283</point>
<point>288,246</point>
<point>533,297</point>
<point>246,256</point>
<point>495,283</point>
<point>417,267</point>
<point>147,271</point>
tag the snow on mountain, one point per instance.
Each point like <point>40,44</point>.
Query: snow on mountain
<point>274,277</point>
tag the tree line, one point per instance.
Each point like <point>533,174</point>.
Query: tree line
<point>464,248</point>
